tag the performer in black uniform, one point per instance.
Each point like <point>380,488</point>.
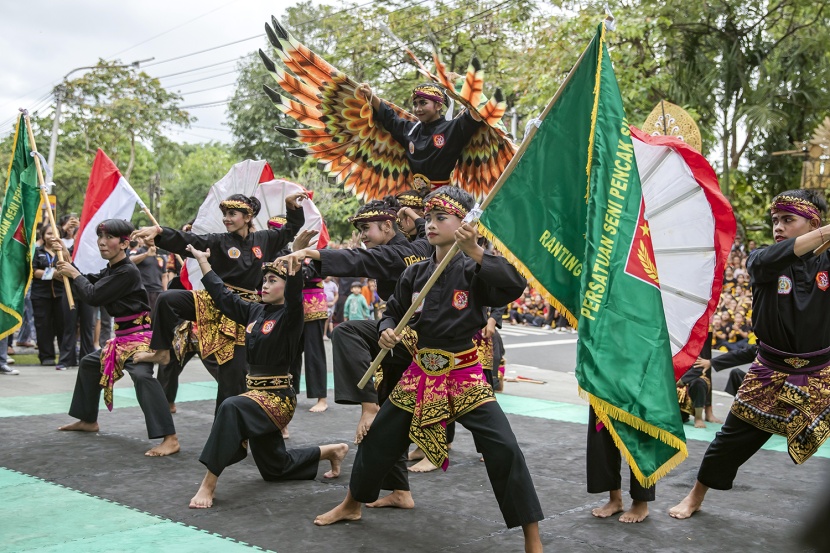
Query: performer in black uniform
<point>354,343</point>
<point>119,290</point>
<point>445,382</point>
<point>274,331</point>
<point>237,257</point>
<point>787,388</point>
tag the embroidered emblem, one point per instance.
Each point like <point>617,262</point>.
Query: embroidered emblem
<point>250,327</point>
<point>433,362</point>
<point>438,140</point>
<point>785,285</point>
<point>411,147</point>
<point>268,327</point>
<point>823,280</point>
<point>257,252</point>
<point>419,182</point>
<point>234,253</point>
<point>460,298</point>
<point>796,362</point>
<point>414,299</point>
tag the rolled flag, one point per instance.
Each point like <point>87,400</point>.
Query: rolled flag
<point>108,196</point>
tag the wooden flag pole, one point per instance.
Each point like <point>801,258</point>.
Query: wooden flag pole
<point>45,197</point>
<point>454,250</point>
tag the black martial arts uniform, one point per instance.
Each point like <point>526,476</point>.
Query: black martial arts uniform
<point>790,304</point>
<point>273,338</point>
<point>452,312</point>
<point>313,350</point>
<point>119,290</point>
<point>238,262</point>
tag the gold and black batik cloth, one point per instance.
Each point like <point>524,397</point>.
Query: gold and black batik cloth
<point>789,395</point>
<point>437,388</point>
<point>409,339</point>
<point>218,334</point>
<point>271,393</point>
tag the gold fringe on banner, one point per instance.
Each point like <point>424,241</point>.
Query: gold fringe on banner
<point>525,272</point>
<point>606,413</point>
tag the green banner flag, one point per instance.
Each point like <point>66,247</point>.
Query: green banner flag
<point>21,200</point>
<point>571,217</point>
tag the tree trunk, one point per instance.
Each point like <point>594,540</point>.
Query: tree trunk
<point>132,158</point>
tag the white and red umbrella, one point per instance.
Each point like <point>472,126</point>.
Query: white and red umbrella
<point>692,230</point>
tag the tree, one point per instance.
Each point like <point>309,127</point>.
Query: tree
<point>200,167</point>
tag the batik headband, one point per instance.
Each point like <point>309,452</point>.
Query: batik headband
<point>411,199</point>
<point>794,205</point>
<point>370,215</point>
<point>237,205</point>
<point>430,92</point>
<point>445,204</point>
<point>277,222</point>
<point>275,268</point>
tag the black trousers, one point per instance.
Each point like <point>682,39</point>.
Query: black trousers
<point>736,378</point>
<point>50,316</point>
<point>171,308</point>
<point>168,375</point>
<point>314,353</point>
<point>354,345</point>
<point>506,466</point>
<point>83,315</point>
<point>733,445</point>
<point>604,464</point>
<point>148,390</point>
<point>700,393</point>
<point>240,418</point>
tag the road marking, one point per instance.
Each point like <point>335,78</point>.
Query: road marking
<point>545,343</point>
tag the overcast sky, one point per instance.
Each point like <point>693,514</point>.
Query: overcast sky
<point>41,41</point>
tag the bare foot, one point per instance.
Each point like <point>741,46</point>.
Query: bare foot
<point>700,424</point>
<point>168,446</point>
<point>204,497</point>
<point>320,406</point>
<point>80,426</point>
<point>285,434</point>
<point>172,407</point>
<point>424,465</point>
<point>161,356</point>
<point>398,499</point>
<point>709,416</point>
<point>691,503</point>
<point>416,455</point>
<point>611,508</point>
<point>637,513</point>
<point>349,509</point>
<point>334,453</point>
<point>367,417</point>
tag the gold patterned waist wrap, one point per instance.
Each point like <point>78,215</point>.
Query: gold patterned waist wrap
<point>437,388</point>
<point>788,394</point>
<point>269,393</point>
<point>218,335</point>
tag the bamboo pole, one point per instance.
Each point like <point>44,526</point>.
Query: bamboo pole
<point>454,250</point>
<point>45,197</point>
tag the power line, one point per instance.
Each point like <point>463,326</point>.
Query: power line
<point>204,66</point>
<point>203,78</point>
<point>189,92</point>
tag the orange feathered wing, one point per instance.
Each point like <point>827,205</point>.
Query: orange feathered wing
<point>351,147</point>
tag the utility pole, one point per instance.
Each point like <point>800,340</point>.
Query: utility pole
<point>59,92</point>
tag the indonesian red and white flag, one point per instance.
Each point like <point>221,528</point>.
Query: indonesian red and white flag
<point>108,196</point>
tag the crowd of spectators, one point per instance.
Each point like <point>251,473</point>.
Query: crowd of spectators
<point>732,321</point>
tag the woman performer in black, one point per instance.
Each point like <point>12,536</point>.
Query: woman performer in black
<point>787,389</point>
<point>237,257</point>
<point>118,289</point>
<point>354,343</point>
<point>445,381</point>
<point>274,330</point>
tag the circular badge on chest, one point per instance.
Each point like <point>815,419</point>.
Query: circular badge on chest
<point>411,147</point>
<point>234,253</point>
<point>268,327</point>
